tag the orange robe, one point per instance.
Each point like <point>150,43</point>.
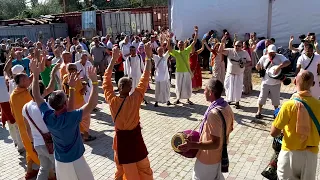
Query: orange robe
<point>18,98</point>
<point>63,70</point>
<point>128,121</point>
<point>78,102</point>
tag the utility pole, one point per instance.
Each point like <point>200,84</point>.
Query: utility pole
<point>64,10</point>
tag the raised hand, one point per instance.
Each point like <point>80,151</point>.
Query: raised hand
<point>116,53</point>
<point>196,29</point>
<point>34,67</point>
<point>92,73</point>
<point>291,38</point>
<point>224,38</point>
<point>73,78</point>
<point>148,49</point>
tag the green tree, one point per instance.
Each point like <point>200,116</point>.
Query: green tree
<point>11,8</point>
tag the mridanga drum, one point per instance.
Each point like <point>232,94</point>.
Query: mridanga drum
<point>180,138</point>
<point>279,76</point>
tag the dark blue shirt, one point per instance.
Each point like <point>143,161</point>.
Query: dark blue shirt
<point>65,132</point>
<point>24,62</point>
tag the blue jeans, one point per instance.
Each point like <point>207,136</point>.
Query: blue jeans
<point>46,162</point>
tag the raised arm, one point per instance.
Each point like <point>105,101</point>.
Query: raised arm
<point>207,46</point>
<point>34,67</point>
<point>202,47</point>
<point>107,83</point>
<point>52,82</point>
<point>222,46</point>
<point>290,45</point>
<point>195,38</point>
<point>316,47</point>
<point>93,99</point>
<point>143,84</point>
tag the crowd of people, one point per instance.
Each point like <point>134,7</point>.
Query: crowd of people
<point>49,119</point>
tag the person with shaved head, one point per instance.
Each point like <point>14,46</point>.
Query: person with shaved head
<point>237,60</point>
<point>298,119</point>
<point>130,152</point>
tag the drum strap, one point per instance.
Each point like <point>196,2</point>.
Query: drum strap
<point>224,126</point>
<point>119,109</point>
<point>309,62</point>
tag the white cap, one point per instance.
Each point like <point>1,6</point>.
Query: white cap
<point>272,48</point>
<point>17,69</point>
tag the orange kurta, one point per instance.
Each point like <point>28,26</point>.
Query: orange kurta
<point>128,120</point>
<point>78,102</point>
<point>18,98</point>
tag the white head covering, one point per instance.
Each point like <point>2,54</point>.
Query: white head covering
<point>17,69</point>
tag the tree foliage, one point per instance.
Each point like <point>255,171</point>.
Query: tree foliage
<point>32,9</point>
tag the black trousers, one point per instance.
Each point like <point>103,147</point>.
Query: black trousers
<point>118,75</point>
<point>205,61</point>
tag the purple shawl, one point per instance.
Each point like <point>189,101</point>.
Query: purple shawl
<point>219,102</point>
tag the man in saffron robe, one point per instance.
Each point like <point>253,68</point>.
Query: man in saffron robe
<point>19,97</point>
<point>130,152</point>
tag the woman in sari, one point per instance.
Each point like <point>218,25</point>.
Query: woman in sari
<point>247,81</point>
<point>217,62</point>
<point>195,68</point>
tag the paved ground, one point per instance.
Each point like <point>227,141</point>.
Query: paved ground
<point>249,148</point>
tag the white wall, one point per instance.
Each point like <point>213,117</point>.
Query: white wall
<point>237,16</point>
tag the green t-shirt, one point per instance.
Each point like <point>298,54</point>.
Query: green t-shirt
<point>182,59</point>
<point>45,75</point>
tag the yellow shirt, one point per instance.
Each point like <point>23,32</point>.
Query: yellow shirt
<point>287,119</point>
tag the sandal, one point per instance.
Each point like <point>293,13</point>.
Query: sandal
<point>190,102</point>
<point>32,174</point>
<point>237,106</point>
<point>90,138</point>
<point>259,116</point>
<point>177,102</point>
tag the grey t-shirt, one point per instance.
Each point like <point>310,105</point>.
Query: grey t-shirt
<point>98,53</point>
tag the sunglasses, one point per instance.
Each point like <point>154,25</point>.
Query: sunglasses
<point>72,69</point>
<point>238,46</point>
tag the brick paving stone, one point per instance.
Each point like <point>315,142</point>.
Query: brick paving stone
<point>249,147</point>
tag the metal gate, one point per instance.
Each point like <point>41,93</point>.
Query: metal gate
<point>129,23</point>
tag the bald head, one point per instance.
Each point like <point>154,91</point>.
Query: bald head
<point>125,85</point>
<point>304,80</point>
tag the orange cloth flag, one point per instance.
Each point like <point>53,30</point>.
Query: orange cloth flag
<point>18,98</point>
<point>128,121</point>
<point>78,102</point>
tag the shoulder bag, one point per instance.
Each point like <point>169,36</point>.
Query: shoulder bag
<point>46,136</point>
<point>309,62</point>
<point>224,156</point>
<point>311,114</point>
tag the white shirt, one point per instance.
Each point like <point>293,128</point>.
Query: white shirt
<point>277,60</point>
<point>125,49</point>
<point>109,45</point>
<point>55,60</point>
<point>77,56</point>
<point>234,67</point>
<point>134,67</point>
<point>135,44</point>
<point>83,69</point>
<point>304,61</point>
<point>3,90</point>
<point>154,45</point>
<point>73,47</point>
<point>161,73</point>
<point>35,114</point>
<point>12,86</point>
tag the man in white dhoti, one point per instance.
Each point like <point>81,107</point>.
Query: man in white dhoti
<point>310,61</point>
<point>270,86</point>
<point>237,60</point>
<point>162,93</point>
<point>82,67</point>
<point>134,67</point>
<point>183,71</point>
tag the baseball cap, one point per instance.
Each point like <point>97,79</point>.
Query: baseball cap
<point>17,69</point>
<point>272,48</point>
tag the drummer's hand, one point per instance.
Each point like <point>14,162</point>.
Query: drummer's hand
<point>277,70</point>
<point>185,147</point>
